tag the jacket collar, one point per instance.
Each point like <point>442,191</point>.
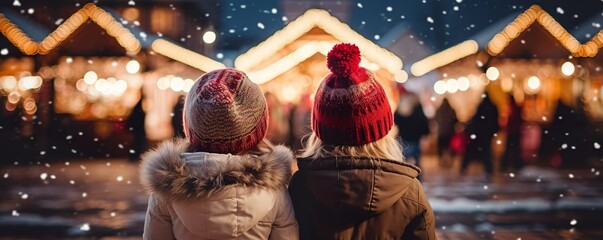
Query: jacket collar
<point>349,163</point>
<point>174,174</point>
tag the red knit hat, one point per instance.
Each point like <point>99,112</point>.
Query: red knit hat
<point>225,112</point>
<point>350,106</point>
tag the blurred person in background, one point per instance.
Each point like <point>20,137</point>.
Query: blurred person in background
<point>412,125</point>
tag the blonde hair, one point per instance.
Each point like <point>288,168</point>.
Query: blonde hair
<point>385,148</point>
<point>263,147</point>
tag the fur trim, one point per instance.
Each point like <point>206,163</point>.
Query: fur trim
<point>165,173</point>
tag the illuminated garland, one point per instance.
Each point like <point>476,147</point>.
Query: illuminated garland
<point>323,20</point>
<point>17,37</point>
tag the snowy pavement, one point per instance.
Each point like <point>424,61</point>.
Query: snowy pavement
<point>102,198</point>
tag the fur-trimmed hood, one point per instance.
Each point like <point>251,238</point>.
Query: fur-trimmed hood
<point>201,195</point>
<point>172,173</point>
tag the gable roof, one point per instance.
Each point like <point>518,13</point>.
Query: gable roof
<point>535,14</point>
<point>17,37</point>
<point>321,19</point>
<point>90,11</point>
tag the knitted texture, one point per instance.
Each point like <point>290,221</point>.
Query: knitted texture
<point>225,112</point>
<point>350,106</point>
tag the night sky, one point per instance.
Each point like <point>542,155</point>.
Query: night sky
<point>438,23</point>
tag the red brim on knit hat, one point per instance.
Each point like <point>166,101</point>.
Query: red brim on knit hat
<point>350,106</point>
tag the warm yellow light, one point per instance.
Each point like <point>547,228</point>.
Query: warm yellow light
<point>209,37</point>
<point>452,86</point>
<point>163,83</point>
<point>439,87</point>
<point>506,84</point>
<point>534,83</point>
<point>492,73</point>
<point>120,87</point>
<point>133,67</point>
<point>536,14</point>
<point>568,68</point>
<point>317,18</point>
<point>101,85</point>
<point>442,58</point>
<point>177,84</point>
<point>90,11</point>
<point>90,77</point>
<point>9,83</point>
<point>14,97</point>
<point>463,83</point>
<point>290,93</point>
<point>188,83</point>
<point>30,82</point>
<point>185,56</point>
<point>401,76</point>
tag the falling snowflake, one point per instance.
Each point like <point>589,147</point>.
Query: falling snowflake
<point>84,194</point>
<point>429,19</point>
<point>455,8</point>
<point>143,35</point>
<point>120,146</point>
<point>131,3</point>
<point>560,10</point>
<point>5,175</point>
<point>119,178</point>
<point>42,153</point>
<point>112,214</point>
<point>570,175</point>
<point>473,136</point>
<point>359,5</point>
<point>377,37</point>
<point>16,3</point>
<point>260,25</point>
<point>284,18</point>
<point>85,227</point>
<point>71,182</point>
<point>24,196</point>
<point>389,8</point>
<point>43,176</point>
<point>69,137</point>
<point>30,11</point>
<point>4,51</point>
<point>274,11</point>
<point>220,55</point>
<point>485,187</point>
<point>15,213</point>
<point>573,222</point>
<point>243,6</point>
<point>597,145</point>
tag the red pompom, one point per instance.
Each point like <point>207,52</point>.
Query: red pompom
<point>343,59</point>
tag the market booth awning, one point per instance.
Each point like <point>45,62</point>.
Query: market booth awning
<point>293,60</point>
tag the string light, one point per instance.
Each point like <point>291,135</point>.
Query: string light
<point>185,56</point>
<point>534,14</point>
<point>17,37</point>
<point>331,25</point>
<point>442,58</point>
<point>90,11</point>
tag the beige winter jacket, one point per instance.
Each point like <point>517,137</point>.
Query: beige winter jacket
<point>217,196</point>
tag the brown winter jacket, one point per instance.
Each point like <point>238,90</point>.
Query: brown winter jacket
<point>360,198</point>
<point>217,196</point>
